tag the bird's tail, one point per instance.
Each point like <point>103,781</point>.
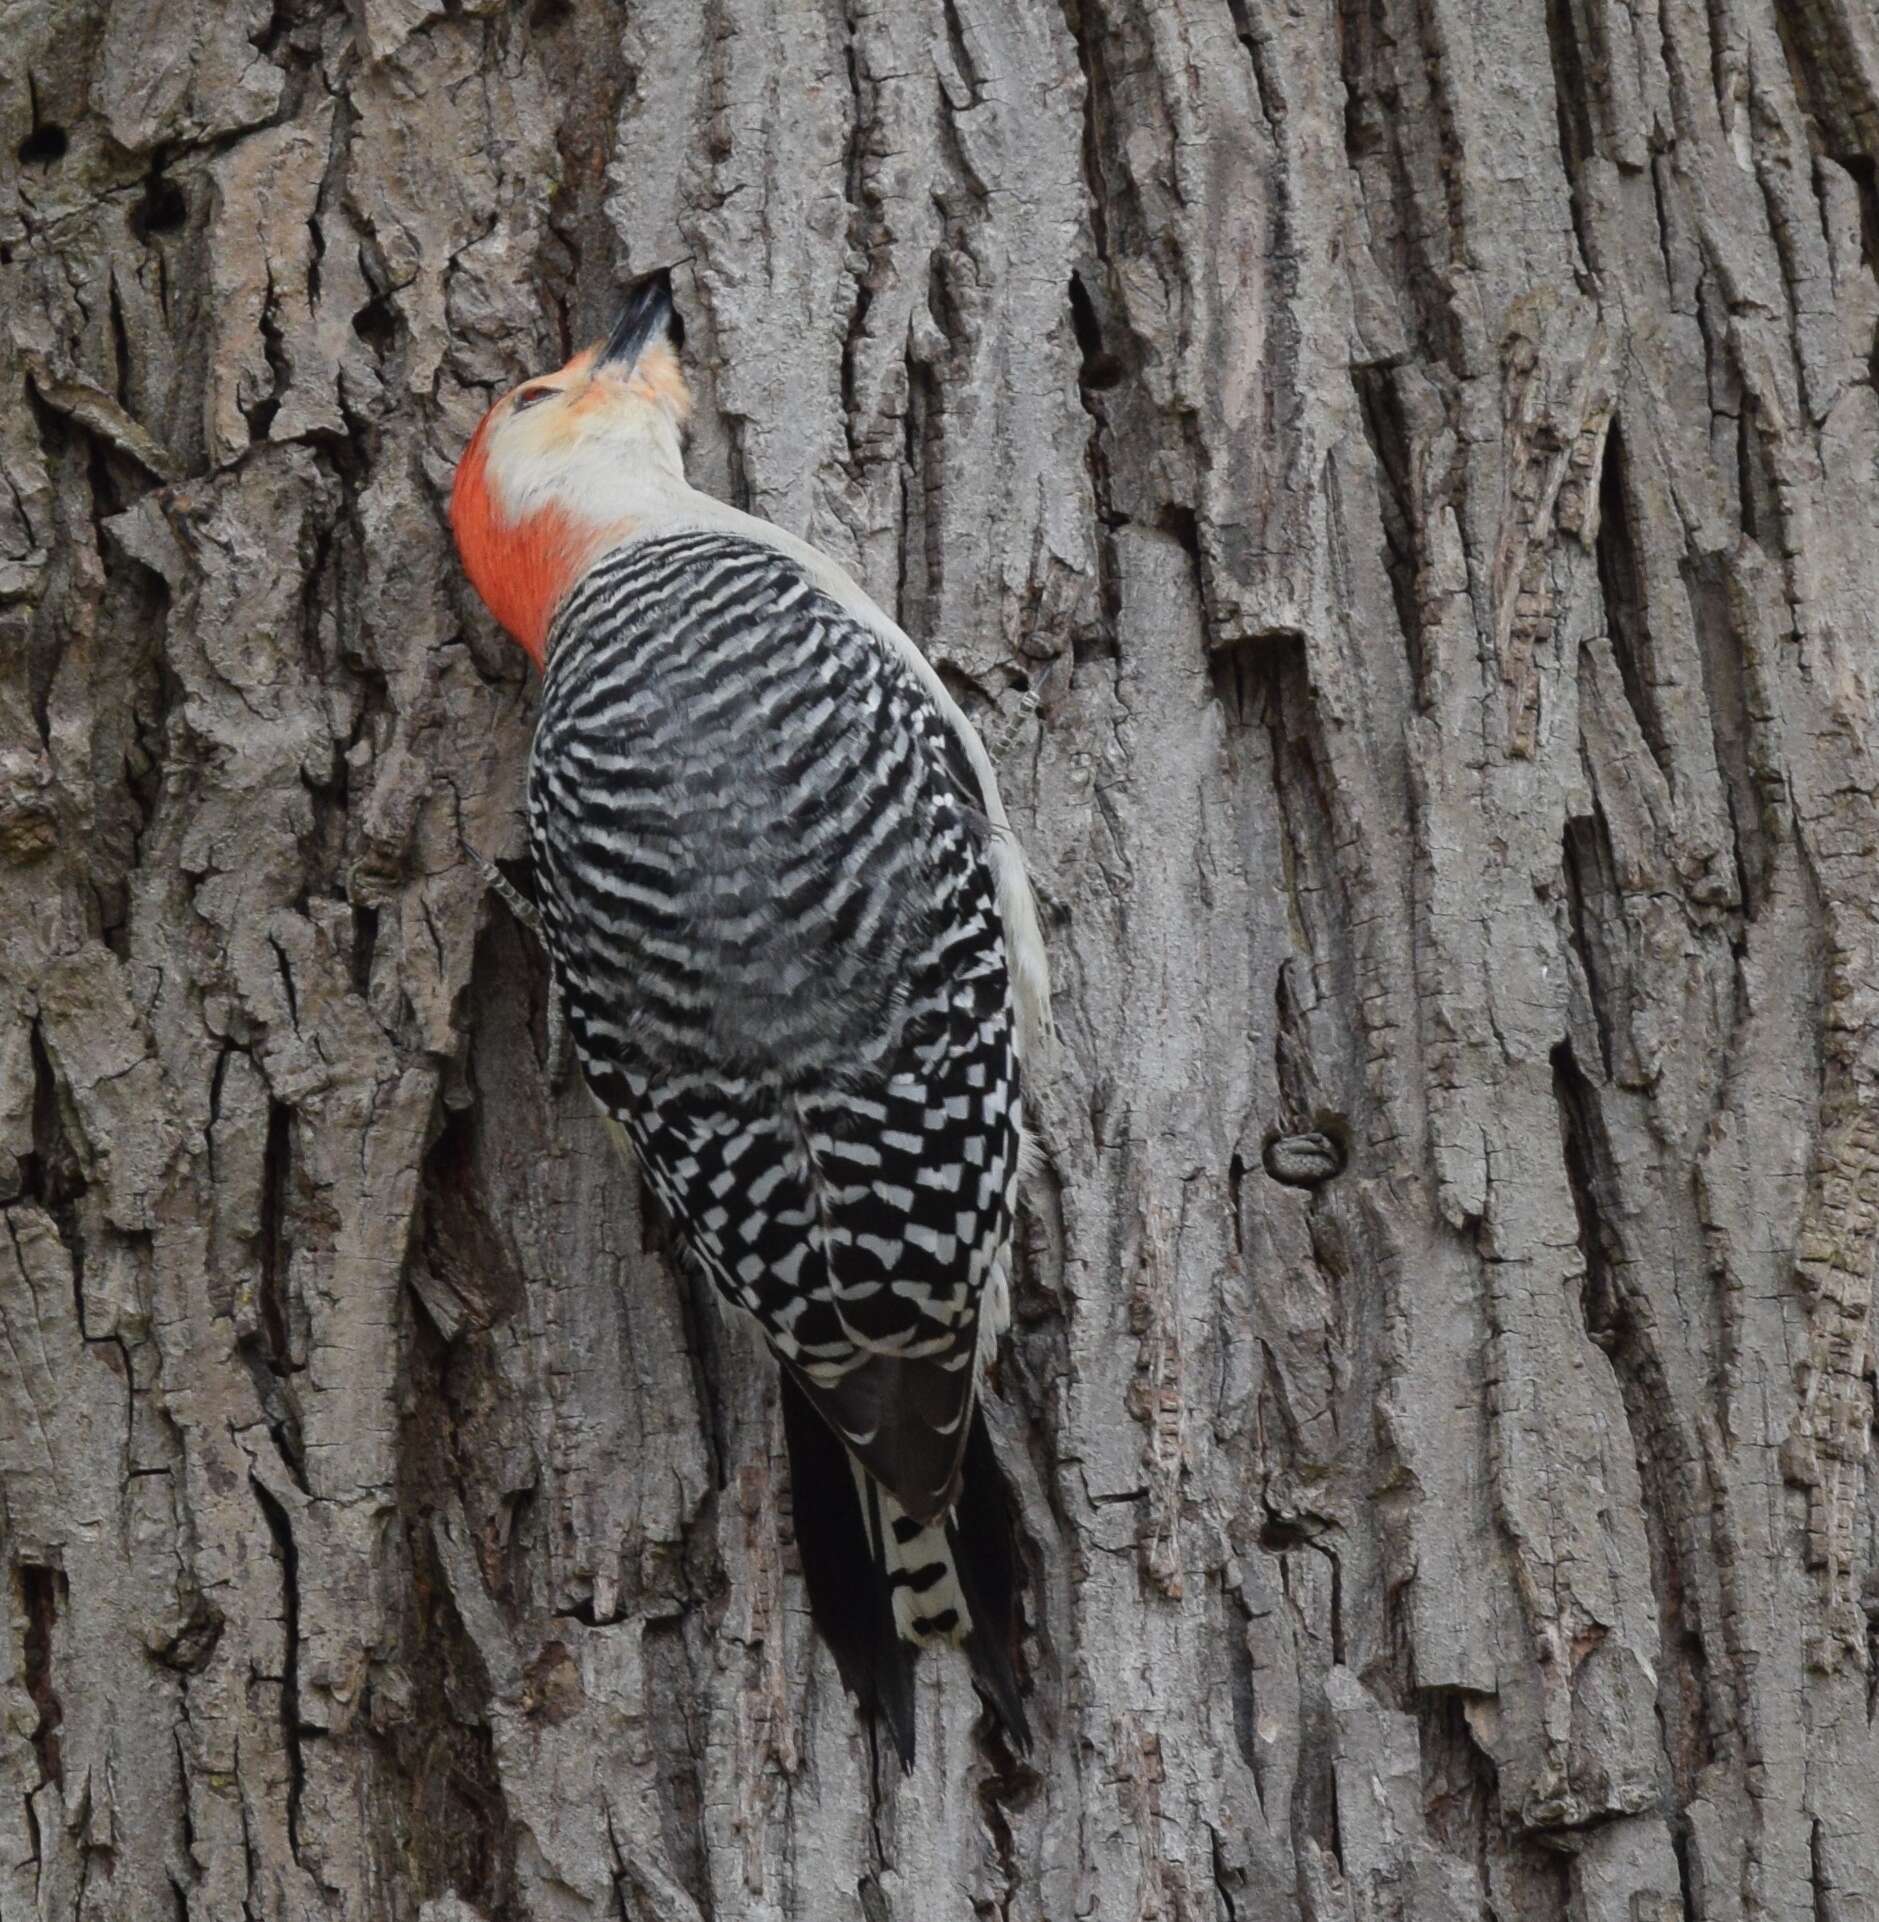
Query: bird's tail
<point>883,1585</point>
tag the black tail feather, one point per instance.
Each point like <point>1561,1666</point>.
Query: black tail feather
<point>983,1541</point>
<point>848,1595</point>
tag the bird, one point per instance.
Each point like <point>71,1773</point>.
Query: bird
<point>802,968</point>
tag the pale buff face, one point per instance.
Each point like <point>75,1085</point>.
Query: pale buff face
<point>586,438</point>
<point>560,469</point>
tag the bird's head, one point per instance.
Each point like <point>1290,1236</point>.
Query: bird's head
<point>562,466</point>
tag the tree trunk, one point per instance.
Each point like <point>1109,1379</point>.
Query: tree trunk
<point>1395,483</point>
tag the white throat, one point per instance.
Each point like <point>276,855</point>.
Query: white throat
<point>619,469</point>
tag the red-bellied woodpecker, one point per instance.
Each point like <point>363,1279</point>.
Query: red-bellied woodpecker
<point>801,966</point>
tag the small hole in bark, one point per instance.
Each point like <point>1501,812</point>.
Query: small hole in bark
<point>43,146</point>
<point>1244,670</point>
<point>364,947</point>
<point>1865,173</point>
<point>162,210</point>
<point>1101,368</point>
<point>1094,644</point>
<point>1309,1157</point>
<point>1180,521</point>
<point>1278,1536</point>
<point>376,325</point>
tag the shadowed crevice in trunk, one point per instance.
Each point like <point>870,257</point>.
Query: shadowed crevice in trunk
<point>42,1593</point>
<point>1618,1319</point>
<point>287,1554</point>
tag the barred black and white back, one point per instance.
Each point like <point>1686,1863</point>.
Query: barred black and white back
<point>769,867</point>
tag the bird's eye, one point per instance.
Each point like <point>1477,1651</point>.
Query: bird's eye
<point>528,396</point>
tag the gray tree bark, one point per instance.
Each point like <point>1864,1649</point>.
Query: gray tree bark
<point>1397,483</point>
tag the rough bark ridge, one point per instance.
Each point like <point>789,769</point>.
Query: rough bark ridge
<point>1395,482</point>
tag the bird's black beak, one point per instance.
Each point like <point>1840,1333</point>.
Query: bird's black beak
<point>649,315</point>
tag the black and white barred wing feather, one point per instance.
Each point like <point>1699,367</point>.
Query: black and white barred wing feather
<point>769,892</point>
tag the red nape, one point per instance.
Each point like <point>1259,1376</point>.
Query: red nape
<point>521,568</point>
